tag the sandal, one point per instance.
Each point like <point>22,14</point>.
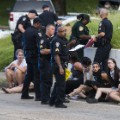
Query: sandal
<point>5,90</point>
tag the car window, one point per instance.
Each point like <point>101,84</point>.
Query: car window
<point>24,6</point>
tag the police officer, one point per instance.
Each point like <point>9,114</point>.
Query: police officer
<point>22,24</point>
<point>45,66</point>
<point>48,17</point>
<point>31,47</point>
<point>80,32</point>
<point>59,53</point>
<point>103,39</point>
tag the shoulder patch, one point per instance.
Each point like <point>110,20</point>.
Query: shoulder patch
<point>81,28</point>
<point>40,34</point>
<point>24,18</point>
<point>57,44</point>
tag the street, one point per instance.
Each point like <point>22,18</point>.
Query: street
<point>13,108</point>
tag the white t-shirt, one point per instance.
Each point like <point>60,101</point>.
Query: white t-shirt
<point>23,63</point>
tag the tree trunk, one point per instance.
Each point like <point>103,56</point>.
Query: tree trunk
<point>60,6</point>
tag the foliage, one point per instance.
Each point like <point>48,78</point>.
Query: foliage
<point>6,52</point>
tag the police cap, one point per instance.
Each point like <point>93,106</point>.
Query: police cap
<point>33,11</point>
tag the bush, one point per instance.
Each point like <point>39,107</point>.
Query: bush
<point>6,52</point>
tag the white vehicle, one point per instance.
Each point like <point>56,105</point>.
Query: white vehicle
<point>22,7</point>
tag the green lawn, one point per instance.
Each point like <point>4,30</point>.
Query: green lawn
<point>6,52</point>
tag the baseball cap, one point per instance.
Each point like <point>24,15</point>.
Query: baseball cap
<point>33,11</point>
<point>45,6</point>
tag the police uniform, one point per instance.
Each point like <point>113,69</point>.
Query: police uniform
<point>17,35</point>
<point>103,44</point>
<point>77,30</point>
<point>48,17</point>
<point>31,47</point>
<point>58,47</point>
<point>45,70</point>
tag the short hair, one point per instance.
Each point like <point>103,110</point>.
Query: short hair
<point>96,63</point>
<point>49,26</point>
<point>103,11</point>
<point>86,61</point>
<point>17,51</point>
<point>83,17</point>
<point>37,20</point>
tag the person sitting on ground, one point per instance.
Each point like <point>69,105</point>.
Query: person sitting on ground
<point>16,89</point>
<point>113,73</point>
<point>15,71</point>
<point>87,73</point>
<point>77,74</point>
<point>91,84</point>
<point>115,95</point>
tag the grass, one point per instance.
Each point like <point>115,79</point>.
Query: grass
<point>6,52</point>
<point>86,6</point>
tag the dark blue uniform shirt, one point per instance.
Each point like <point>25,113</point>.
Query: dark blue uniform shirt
<point>45,44</point>
<point>25,21</point>
<point>58,46</point>
<point>31,41</point>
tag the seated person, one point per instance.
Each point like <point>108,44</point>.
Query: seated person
<point>87,73</point>
<point>91,84</point>
<point>113,76</point>
<point>17,89</point>
<point>77,74</point>
<point>115,95</point>
<point>15,72</point>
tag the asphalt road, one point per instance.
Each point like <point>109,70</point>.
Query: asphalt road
<point>13,108</point>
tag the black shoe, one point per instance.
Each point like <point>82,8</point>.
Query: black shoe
<point>44,102</point>
<point>91,100</point>
<point>66,100</point>
<point>51,104</point>
<point>60,106</point>
<point>67,96</point>
<point>27,97</point>
<point>37,99</point>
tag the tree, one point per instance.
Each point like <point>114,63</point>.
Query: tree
<point>60,6</point>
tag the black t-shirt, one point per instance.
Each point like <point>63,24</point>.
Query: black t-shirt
<point>48,17</point>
